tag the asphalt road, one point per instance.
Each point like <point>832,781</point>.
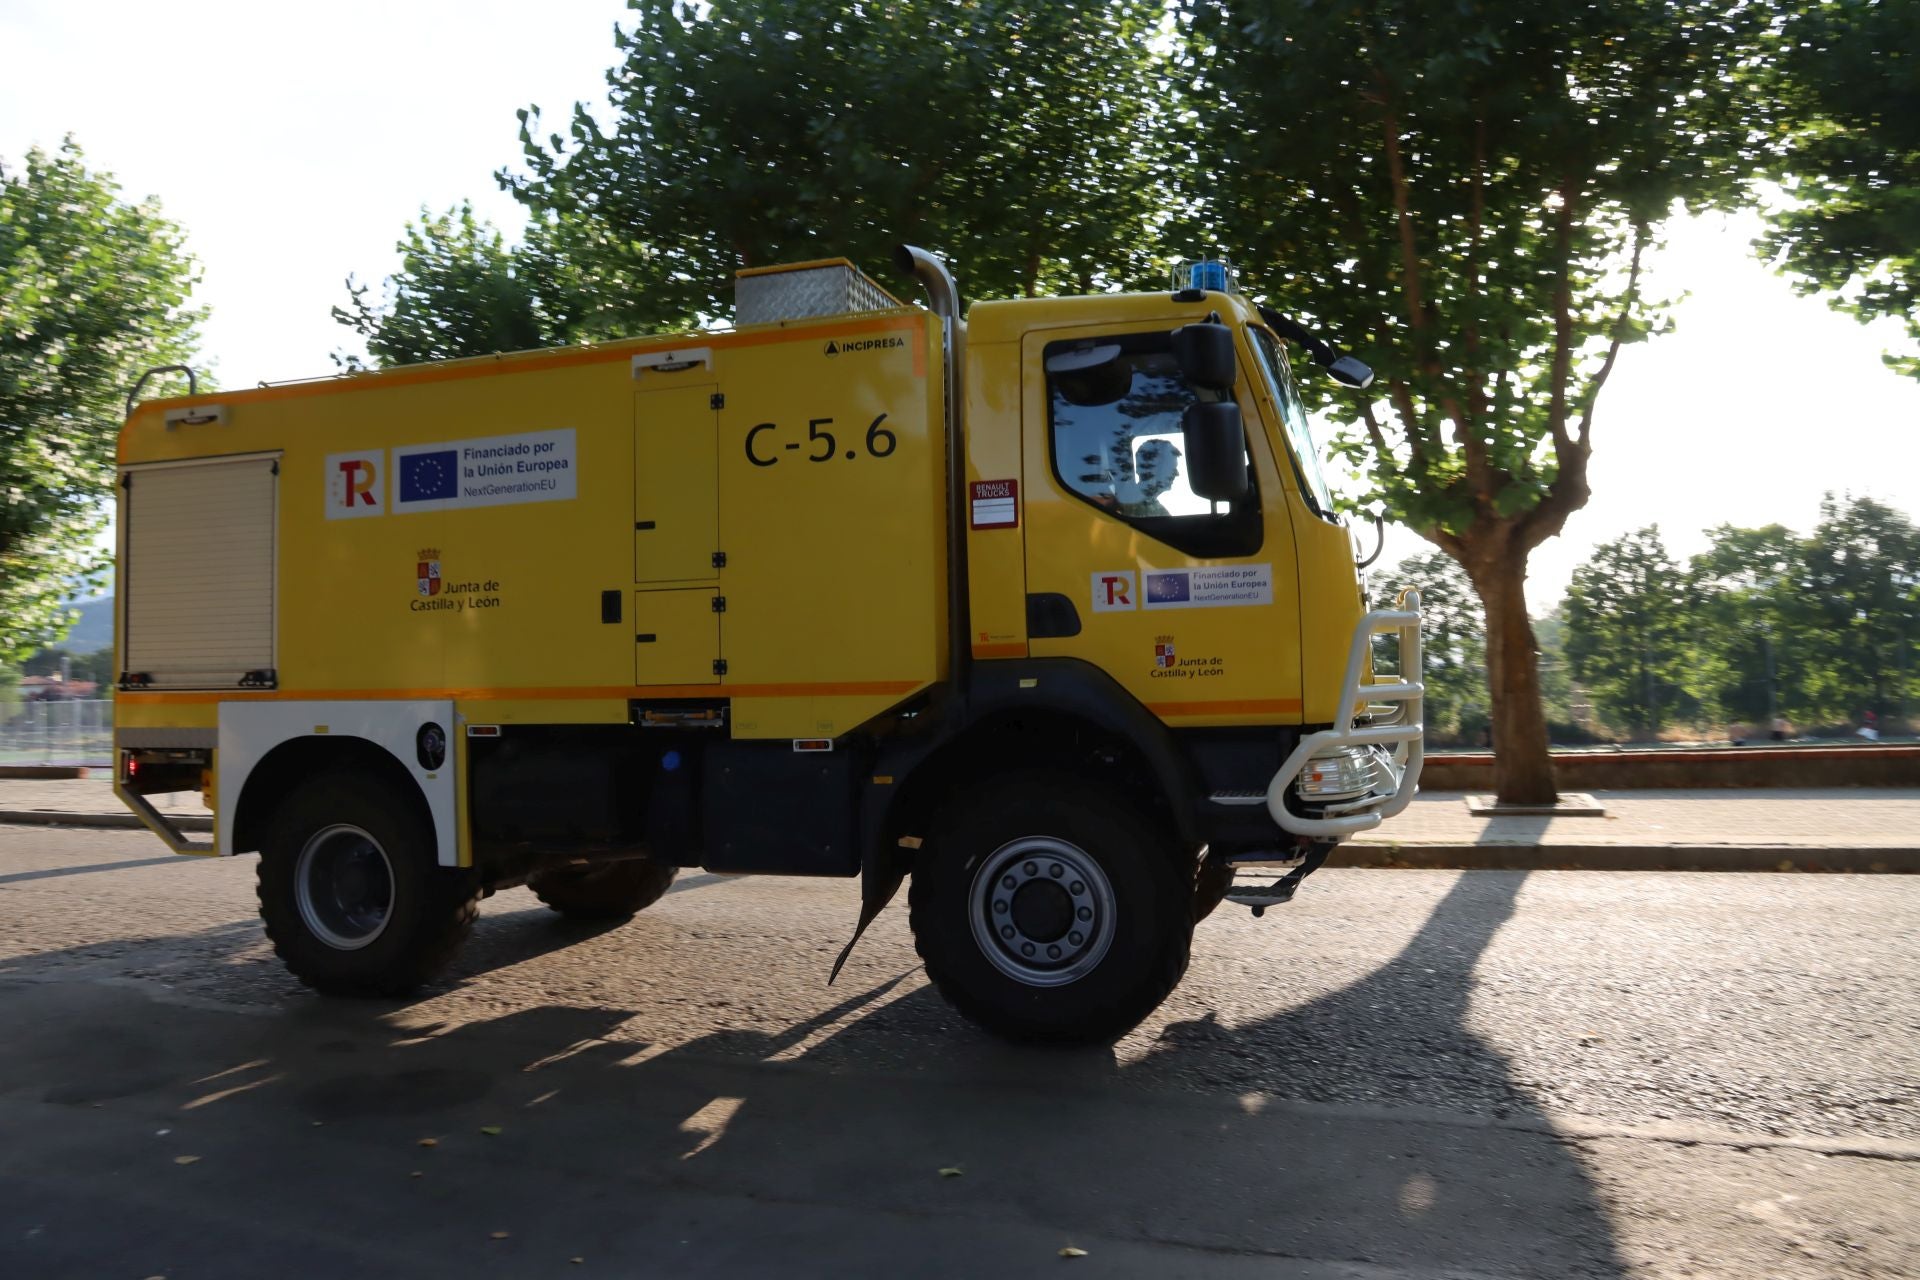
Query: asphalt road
<point>1401,1074</point>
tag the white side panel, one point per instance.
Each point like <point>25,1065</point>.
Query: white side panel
<point>249,730</point>
<point>199,571</point>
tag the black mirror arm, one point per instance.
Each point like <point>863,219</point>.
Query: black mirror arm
<point>1323,355</point>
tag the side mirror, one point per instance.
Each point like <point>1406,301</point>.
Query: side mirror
<point>1216,450</point>
<point>1349,372</point>
<point>1205,353</point>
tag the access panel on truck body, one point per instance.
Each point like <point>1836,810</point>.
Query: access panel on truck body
<point>832,519</point>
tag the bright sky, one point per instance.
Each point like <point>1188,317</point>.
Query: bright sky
<point>293,143</point>
<point>1753,406</point>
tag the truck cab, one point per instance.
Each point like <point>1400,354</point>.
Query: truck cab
<point>1044,611</point>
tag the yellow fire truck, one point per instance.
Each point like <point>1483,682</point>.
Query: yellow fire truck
<point>1047,608</point>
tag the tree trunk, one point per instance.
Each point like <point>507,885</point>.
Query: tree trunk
<point>1522,770</point>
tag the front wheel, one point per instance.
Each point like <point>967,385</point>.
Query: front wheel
<point>353,898</point>
<point>1050,909</point>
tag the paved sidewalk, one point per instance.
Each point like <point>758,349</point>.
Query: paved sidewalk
<point>1809,818</point>
<point>1839,829</point>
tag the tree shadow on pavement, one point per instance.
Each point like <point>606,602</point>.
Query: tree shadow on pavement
<point>819,1145</point>
<point>1346,1136</point>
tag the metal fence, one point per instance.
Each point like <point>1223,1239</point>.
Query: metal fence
<point>64,731</point>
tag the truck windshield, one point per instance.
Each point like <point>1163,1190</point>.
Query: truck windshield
<point>1293,418</point>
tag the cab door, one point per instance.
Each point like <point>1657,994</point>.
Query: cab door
<point>1191,605</point>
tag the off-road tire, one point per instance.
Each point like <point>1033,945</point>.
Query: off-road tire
<point>1152,924</point>
<point>609,891</point>
<point>432,907</point>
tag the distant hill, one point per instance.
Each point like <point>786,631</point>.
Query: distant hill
<point>94,630</point>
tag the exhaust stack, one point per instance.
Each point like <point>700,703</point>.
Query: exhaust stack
<point>944,299</point>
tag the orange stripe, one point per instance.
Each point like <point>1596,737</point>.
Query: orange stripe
<point>562,358</point>
<point>1245,707</point>
<point>843,689</point>
<point>1015,650</point>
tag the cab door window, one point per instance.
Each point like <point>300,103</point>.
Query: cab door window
<point>1114,413</point>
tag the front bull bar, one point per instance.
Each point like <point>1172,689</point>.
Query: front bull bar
<point>1390,727</point>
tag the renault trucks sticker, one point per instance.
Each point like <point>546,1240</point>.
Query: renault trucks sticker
<point>995,504</point>
<point>491,471</point>
<point>1222,587</point>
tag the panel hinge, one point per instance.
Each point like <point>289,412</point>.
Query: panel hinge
<point>717,400</point>
<point>719,559</point>
<point>719,604</point>
<point>719,666</point>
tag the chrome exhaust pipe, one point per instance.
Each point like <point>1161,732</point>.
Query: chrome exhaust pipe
<point>943,297</point>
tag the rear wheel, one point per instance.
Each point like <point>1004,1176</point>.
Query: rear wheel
<point>351,893</point>
<point>1051,909</point>
<point>609,891</point>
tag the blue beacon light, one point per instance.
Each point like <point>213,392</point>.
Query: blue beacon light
<point>1210,274</point>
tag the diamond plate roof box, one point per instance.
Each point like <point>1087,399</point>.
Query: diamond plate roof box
<point>799,290</point>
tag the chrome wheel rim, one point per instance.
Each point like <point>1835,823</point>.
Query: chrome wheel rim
<point>343,885</point>
<point>1042,911</point>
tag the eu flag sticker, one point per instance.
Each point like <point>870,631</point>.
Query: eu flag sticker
<point>429,477</point>
<point>1162,588</point>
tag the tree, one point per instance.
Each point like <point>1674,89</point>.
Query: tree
<point>96,666</point>
<point>1453,644</point>
<point>1850,82</point>
<point>1022,138</point>
<point>1857,605</point>
<point>1556,681</point>
<point>1627,630</point>
<point>1742,642</point>
<point>460,291</point>
<point>1468,192</point>
<point>1017,136</point>
<point>93,291</point>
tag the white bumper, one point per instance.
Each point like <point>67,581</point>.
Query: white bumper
<point>1389,743</point>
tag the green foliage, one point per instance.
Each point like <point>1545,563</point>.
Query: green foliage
<point>461,291</point>
<point>1557,699</point>
<point>1818,629</point>
<point>1453,640</point>
<point>96,666</point>
<point>1738,593</point>
<point>1855,611</point>
<point>93,291</point>
<point>1850,83</point>
<point>1464,194</point>
<point>1626,617</point>
<point>1024,139</point>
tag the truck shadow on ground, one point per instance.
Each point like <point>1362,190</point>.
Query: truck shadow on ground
<point>1226,1138</point>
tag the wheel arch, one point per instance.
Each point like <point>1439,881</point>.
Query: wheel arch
<point>1061,714</point>
<point>414,743</point>
<point>283,768</point>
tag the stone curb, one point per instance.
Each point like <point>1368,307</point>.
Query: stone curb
<point>1601,857</point>
<point>1434,857</point>
<point>61,818</point>
<point>43,772</point>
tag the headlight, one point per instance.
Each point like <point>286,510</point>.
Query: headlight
<point>1337,773</point>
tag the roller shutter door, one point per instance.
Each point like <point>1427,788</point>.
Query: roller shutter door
<point>198,573</point>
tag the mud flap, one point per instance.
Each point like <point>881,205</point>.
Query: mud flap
<point>876,891</point>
